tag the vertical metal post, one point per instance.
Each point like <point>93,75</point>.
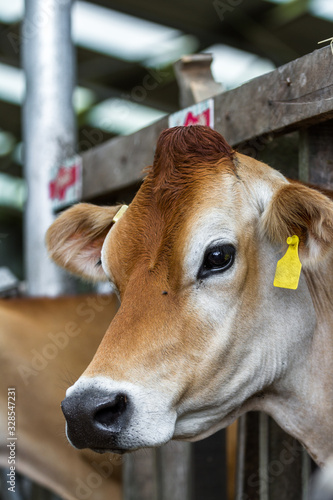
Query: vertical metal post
<point>48,129</point>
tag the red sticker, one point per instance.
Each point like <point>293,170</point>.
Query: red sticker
<point>198,114</point>
<point>66,178</point>
<point>66,183</point>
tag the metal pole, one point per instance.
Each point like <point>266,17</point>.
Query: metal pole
<point>48,129</point>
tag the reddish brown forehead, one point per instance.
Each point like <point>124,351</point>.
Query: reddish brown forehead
<point>184,157</point>
<point>186,160</point>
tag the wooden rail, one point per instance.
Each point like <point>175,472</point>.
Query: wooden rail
<point>295,95</point>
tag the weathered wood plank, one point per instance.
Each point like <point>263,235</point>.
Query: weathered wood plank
<point>195,79</point>
<point>118,164</point>
<point>139,476</point>
<point>297,94</point>
<point>316,154</point>
<point>174,471</point>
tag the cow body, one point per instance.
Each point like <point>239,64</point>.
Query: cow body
<point>45,343</point>
<point>202,335</point>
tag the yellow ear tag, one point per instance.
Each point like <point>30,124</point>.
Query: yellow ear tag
<point>288,269</point>
<point>120,213</point>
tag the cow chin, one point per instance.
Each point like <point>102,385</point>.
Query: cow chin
<point>109,416</point>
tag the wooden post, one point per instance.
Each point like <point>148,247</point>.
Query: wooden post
<point>316,155</point>
<point>195,79</point>
<point>174,471</point>
<point>139,476</point>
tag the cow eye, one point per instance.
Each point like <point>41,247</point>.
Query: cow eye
<point>217,259</point>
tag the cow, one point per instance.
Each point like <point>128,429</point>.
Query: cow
<point>45,343</point>
<point>202,335</point>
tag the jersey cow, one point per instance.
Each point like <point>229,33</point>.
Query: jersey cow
<point>45,342</point>
<point>202,335</point>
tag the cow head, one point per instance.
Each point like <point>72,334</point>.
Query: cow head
<point>201,335</point>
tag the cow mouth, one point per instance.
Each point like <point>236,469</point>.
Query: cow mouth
<point>117,451</point>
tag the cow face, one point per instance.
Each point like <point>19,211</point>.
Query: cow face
<point>201,335</point>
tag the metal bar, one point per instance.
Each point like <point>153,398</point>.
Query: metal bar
<point>248,481</point>
<point>48,128</point>
<point>284,464</point>
<point>49,137</point>
<point>263,455</point>
<point>209,468</point>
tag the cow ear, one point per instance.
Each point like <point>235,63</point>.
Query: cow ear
<point>298,209</point>
<point>74,241</point>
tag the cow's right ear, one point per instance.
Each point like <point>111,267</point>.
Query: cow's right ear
<point>74,241</point>
<point>298,209</point>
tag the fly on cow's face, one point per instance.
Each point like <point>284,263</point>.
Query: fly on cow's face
<point>217,259</point>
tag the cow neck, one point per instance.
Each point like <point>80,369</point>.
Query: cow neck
<point>320,284</point>
<point>302,403</point>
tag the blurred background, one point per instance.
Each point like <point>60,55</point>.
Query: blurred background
<point>125,51</point>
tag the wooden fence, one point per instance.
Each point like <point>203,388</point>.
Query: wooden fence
<point>283,118</point>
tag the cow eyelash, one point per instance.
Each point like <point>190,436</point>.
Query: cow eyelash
<point>98,263</point>
<point>217,259</point>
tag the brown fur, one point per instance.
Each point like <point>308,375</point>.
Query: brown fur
<point>79,233</point>
<point>157,336</point>
<point>185,159</point>
<point>182,155</point>
<point>43,453</point>
<point>297,209</point>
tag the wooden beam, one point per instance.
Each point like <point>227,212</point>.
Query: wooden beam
<point>118,163</point>
<point>297,94</point>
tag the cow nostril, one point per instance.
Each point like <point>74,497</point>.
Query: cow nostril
<point>112,411</point>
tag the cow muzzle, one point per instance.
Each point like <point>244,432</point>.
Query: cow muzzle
<point>109,416</point>
<point>96,419</point>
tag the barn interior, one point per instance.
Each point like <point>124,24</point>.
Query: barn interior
<point>119,46</point>
<point>125,51</point>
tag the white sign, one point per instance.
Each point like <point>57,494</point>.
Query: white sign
<point>198,114</point>
<point>65,187</point>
